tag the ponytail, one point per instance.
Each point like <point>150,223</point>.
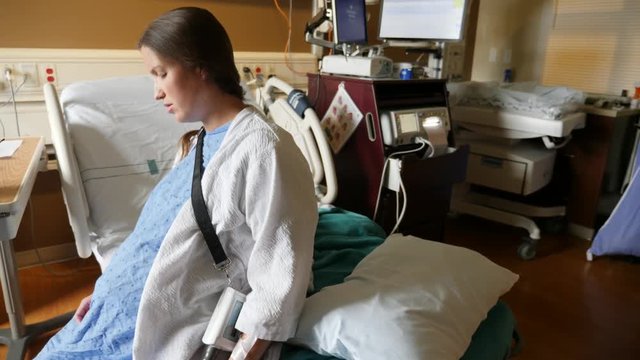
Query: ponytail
<point>185,143</point>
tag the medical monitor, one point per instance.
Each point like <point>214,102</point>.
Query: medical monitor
<point>349,21</point>
<point>422,20</point>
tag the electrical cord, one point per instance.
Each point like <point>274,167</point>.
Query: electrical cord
<point>384,171</point>
<point>210,353</point>
<point>404,206</point>
<point>15,106</point>
<point>17,89</point>
<point>287,48</point>
<point>12,100</point>
<point>430,149</point>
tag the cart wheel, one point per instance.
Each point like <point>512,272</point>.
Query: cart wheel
<point>527,250</point>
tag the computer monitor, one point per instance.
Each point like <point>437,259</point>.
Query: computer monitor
<point>422,20</point>
<point>349,21</point>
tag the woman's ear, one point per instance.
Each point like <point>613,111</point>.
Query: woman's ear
<point>203,74</point>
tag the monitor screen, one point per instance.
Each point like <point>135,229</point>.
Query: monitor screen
<point>422,19</point>
<point>349,22</point>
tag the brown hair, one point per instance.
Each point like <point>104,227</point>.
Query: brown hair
<point>195,38</point>
<point>185,142</point>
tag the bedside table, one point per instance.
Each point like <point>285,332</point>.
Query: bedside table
<point>17,177</point>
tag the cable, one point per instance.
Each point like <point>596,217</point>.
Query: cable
<point>404,207</point>
<point>428,143</point>
<point>284,15</point>
<point>287,48</point>
<point>397,207</point>
<point>12,100</point>
<point>16,92</point>
<point>15,106</point>
<point>399,217</point>
<point>384,170</point>
<point>210,353</point>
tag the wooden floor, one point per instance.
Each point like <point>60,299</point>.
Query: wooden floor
<point>51,291</point>
<point>566,307</point>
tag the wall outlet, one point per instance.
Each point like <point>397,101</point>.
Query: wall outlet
<point>3,69</point>
<point>30,70</point>
<point>24,74</point>
<point>4,84</point>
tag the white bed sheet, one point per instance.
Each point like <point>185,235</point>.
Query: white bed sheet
<point>529,98</point>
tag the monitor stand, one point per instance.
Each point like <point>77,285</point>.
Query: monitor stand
<point>365,66</point>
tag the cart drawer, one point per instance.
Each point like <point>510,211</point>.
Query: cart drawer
<point>496,173</point>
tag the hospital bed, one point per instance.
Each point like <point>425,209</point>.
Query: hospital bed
<point>513,131</point>
<point>113,143</point>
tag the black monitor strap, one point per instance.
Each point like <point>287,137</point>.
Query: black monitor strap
<point>200,209</point>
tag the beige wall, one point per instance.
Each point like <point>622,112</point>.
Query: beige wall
<point>518,26</point>
<point>253,25</point>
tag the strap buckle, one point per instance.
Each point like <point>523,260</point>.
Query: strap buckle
<point>223,265</point>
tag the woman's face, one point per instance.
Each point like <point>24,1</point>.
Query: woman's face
<point>179,88</point>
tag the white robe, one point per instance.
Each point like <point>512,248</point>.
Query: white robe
<point>260,195</point>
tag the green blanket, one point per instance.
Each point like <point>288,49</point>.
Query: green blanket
<point>343,239</point>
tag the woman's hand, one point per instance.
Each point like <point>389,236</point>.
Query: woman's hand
<point>83,308</point>
<point>249,348</point>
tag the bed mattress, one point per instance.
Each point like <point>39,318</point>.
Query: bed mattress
<point>512,124</point>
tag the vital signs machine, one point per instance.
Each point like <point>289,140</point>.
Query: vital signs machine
<point>347,20</point>
<point>433,27</point>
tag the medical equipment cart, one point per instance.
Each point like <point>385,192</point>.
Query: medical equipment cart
<point>360,162</point>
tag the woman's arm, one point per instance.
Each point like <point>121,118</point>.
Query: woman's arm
<point>280,207</point>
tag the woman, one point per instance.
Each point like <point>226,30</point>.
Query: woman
<point>155,298</point>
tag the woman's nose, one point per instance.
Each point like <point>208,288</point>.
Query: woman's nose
<point>158,93</point>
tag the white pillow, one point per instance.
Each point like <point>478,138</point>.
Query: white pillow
<point>408,299</point>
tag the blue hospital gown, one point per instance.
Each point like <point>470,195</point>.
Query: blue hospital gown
<point>107,330</point>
